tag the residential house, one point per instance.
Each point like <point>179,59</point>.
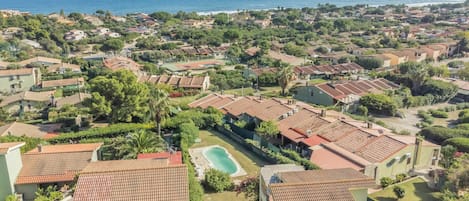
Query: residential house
<point>318,185</point>
<point>19,129</point>
<point>15,80</point>
<point>10,32</point>
<point>334,57</point>
<point>402,57</point>
<point>254,73</point>
<point>75,100</point>
<point>119,63</point>
<point>343,93</point>
<point>40,61</point>
<point>268,175</point>
<point>52,165</point>
<point>329,139</point>
<point>102,31</point>
<point>26,101</point>
<point>62,68</point>
<point>10,166</point>
<point>181,82</point>
<point>386,60</point>
<point>394,59</point>
<point>143,180</point>
<point>327,71</point>
<point>75,35</point>
<point>94,20</point>
<point>64,83</point>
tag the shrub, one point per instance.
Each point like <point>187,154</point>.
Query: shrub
<point>441,91</point>
<point>217,180</point>
<point>104,132</point>
<point>303,161</point>
<point>385,182</point>
<point>400,177</point>
<point>461,143</point>
<point>240,123</point>
<point>439,114</point>
<point>188,133</point>
<point>399,192</point>
<point>440,134</point>
<point>462,126</point>
<point>379,103</point>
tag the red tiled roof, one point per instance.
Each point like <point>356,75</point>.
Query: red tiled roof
<point>21,71</point>
<point>329,69</point>
<point>63,82</point>
<point>64,148</point>
<point>142,180</point>
<point>176,81</point>
<point>6,147</point>
<point>357,87</point>
<point>328,159</point>
<point>320,185</point>
<point>314,140</point>
<point>175,158</point>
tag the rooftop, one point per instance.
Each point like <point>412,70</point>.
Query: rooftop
<point>132,180</point>
<point>65,148</point>
<point>62,82</point>
<point>173,158</point>
<point>8,146</point>
<point>20,129</point>
<point>320,185</point>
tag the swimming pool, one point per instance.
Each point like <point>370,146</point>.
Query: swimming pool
<point>220,160</point>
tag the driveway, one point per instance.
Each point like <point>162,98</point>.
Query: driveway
<point>410,118</point>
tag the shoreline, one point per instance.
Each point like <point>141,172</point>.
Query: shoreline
<point>234,11</point>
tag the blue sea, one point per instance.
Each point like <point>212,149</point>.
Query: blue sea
<point>122,7</point>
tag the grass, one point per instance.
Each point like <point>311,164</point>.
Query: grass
<point>415,189</point>
<point>452,117</point>
<point>184,100</point>
<point>249,162</point>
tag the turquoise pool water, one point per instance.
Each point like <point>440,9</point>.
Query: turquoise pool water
<point>220,160</point>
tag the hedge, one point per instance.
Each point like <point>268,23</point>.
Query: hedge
<point>110,131</point>
<point>439,134</point>
<point>439,114</point>
<point>461,143</point>
<point>303,161</point>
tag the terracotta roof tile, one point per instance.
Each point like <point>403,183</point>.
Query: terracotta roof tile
<point>142,182</point>
<point>319,185</point>
<point>21,71</point>
<point>62,82</point>
<point>175,158</point>
<point>64,148</point>
<point>6,147</point>
<point>52,167</point>
<point>380,149</point>
<point>20,129</point>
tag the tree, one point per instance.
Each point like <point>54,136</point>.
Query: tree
<point>448,152</point>
<point>119,97</point>
<point>438,71</point>
<point>159,106</point>
<point>399,192</point>
<point>285,76</point>
<point>250,188</point>
<point>232,35</point>
<point>113,44</point>
<point>162,16</point>
<point>369,63</point>
<point>379,103</point>
<point>141,141</point>
<point>417,72</point>
<point>11,198</point>
<point>268,129</point>
<point>217,180</point>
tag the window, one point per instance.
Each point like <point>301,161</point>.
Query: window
<point>312,93</point>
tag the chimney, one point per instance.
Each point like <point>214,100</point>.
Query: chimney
<point>369,125</point>
<point>39,148</point>
<point>323,113</point>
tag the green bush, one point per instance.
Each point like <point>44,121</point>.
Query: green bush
<point>217,180</point>
<point>385,182</point>
<point>400,177</point>
<point>462,106</point>
<point>104,132</point>
<point>379,104</point>
<point>462,126</point>
<point>439,134</point>
<point>439,114</point>
<point>461,143</point>
<point>303,161</point>
<point>30,143</point>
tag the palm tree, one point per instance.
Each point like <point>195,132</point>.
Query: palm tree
<point>141,141</point>
<point>159,106</point>
<point>285,76</point>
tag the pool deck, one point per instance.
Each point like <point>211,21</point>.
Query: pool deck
<point>202,164</point>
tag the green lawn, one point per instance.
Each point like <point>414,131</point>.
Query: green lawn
<point>415,190</point>
<point>249,162</point>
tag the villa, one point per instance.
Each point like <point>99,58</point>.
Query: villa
<point>41,167</point>
<point>26,101</point>
<point>119,63</point>
<point>201,83</point>
<point>64,83</point>
<point>16,80</point>
<point>143,180</point>
<point>343,93</point>
<point>329,139</point>
<point>326,71</point>
<point>19,129</point>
